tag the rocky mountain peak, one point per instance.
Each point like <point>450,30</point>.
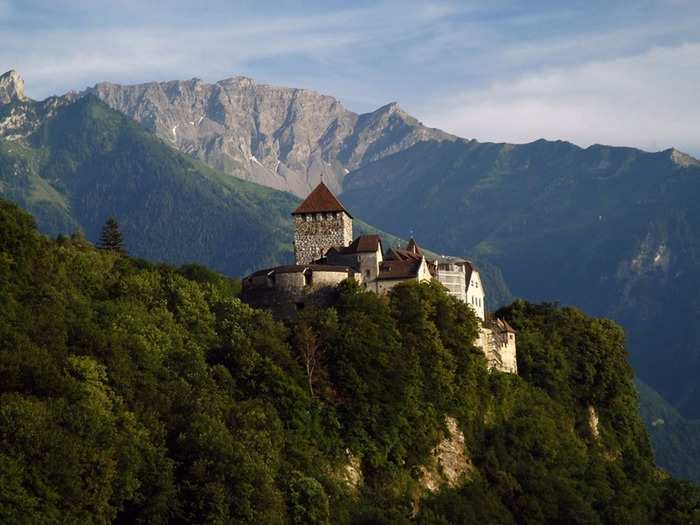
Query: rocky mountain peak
<point>238,80</point>
<point>391,109</point>
<point>682,159</point>
<point>11,87</point>
<point>284,138</point>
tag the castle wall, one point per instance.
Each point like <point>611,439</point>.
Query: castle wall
<point>284,294</point>
<point>452,277</point>
<point>369,265</point>
<point>315,233</point>
<point>499,349</point>
<point>475,294</point>
<point>385,286</point>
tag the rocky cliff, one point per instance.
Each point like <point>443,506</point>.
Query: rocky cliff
<point>279,137</point>
<point>11,87</point>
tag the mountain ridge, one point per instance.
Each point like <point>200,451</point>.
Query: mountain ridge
<point>285,138</point>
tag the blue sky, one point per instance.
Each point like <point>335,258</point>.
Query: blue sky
<point>625,73</point>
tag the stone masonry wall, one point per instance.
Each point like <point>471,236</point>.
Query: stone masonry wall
<point>499,348</point>
<point>315,233</point>
<point>287,293</point>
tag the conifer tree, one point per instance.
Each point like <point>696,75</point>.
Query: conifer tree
<point>111,238</point>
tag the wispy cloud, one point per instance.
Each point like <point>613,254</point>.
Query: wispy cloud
<point>648,100</point>
<point>501,70</point>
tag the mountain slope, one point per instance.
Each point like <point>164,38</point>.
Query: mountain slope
<point>73,162</point>
<point>84,162</point>
<point>614,230</point>
<point>139,393</point>
<point>279,137</point>
<point>676,440</point>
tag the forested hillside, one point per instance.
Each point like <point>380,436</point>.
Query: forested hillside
<point>614,230</point>
<point>141,393</point>
<point>79,162</point>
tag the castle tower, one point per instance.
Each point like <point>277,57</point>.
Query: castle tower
<point>320,222</point>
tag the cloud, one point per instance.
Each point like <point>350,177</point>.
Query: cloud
<point>499,70</point>
<point>125,51</point>
<point>647,100</point>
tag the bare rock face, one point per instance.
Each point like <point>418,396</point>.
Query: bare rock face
<point>279,137</point>
<point>593,422</point>
<point>19,120</point>
<point>450,462</point>
<point>11,87</point>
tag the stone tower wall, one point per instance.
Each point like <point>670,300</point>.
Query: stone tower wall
<point>315,233</point>
<point>499,348</point>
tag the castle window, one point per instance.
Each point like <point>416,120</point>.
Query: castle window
<point>299,306</point>
<point>367,274</point>
<point>308,278</point>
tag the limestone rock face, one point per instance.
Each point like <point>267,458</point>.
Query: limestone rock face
<point>19,120</point>
<point>593,422</point>
<point>450,463</point>
<point>279,137</point>
<point>11,87</point>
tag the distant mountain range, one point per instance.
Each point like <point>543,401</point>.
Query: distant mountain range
<point>73,162</point>
<point>613,230</point>
<point>279,137</point>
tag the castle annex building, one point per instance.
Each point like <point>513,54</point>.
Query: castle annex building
<point>326,254</point>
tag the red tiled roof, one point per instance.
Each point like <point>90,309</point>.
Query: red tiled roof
<point>363,244</point>
<point>398,269</point>
<point>321,199</point>
<point>412,246</point>
<point>412,252</point>
<point>498,323</point>
<point>403,255</point>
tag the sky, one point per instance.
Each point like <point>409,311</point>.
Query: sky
<point>621,73</point>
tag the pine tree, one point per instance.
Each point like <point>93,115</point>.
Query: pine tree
<point>111,238</point>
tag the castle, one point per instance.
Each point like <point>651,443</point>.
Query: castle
<point>326,254</point>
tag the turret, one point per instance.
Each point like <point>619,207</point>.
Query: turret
<point>320,222</point>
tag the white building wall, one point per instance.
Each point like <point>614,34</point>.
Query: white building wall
<point>453,277</point>
<point>475,294</point>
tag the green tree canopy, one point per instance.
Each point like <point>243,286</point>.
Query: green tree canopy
<point>111,237</point>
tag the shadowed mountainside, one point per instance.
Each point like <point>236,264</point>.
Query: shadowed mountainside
<point>614,230</point>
